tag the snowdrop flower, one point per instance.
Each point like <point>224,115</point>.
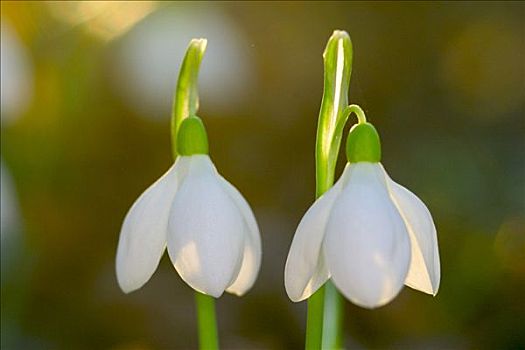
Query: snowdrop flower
<point>368,234</point>
<point>208,227</point>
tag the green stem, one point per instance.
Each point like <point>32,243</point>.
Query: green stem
<point>333,318</point>
<point>361,117</point>
<point>324,321</point>
<point>314,320</point>
<point>208,339</point>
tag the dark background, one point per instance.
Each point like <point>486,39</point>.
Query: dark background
<point>86,94</point>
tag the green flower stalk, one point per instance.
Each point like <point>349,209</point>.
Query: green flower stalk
<point>207,226</point>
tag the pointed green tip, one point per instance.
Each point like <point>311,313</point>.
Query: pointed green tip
<point>199,44</point>
<point>363,144</point>
<point>339,37</point>
<point>340,34</point>
<point>192,138</point>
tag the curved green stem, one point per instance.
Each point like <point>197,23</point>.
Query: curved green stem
<point>324,306</point>
<point>208,339</point>
<point>361,117</point>
<point>186,104</point>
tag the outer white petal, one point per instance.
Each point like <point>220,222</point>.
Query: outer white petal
<point>424,272</point>
<point>205,230</point>
<point>143,234</point>
<point>251,261</point>
<point>366,247</point>
<point>305,269</point>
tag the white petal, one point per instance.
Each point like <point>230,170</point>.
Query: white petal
<point>205,230</point>
<point>143,234</point>
<point>367,249</point>
<point>305,269</point>
<point>251,261</point>
<point>424,272</point>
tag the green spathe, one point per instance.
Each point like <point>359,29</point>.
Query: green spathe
<point>363,144</point>
<point>186,99</point>
<point>192,138</point>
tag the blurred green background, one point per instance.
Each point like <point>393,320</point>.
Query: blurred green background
<point>86,95</point>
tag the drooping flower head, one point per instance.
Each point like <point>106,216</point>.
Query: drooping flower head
<point>368,234</point>
<point>208,228</point>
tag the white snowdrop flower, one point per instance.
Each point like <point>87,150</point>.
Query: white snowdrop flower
<point>208,227</point>
<point>368,234</point>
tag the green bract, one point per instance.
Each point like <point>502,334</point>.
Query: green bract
<point>191,137</point>
<point>362,144</point>
<point>332,116</point>
<point>186,99</point>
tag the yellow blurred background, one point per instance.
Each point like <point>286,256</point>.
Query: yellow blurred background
<point>86,97</point>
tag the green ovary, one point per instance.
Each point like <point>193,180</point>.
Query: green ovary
<point>191,137</point>
<point>363,144</point>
